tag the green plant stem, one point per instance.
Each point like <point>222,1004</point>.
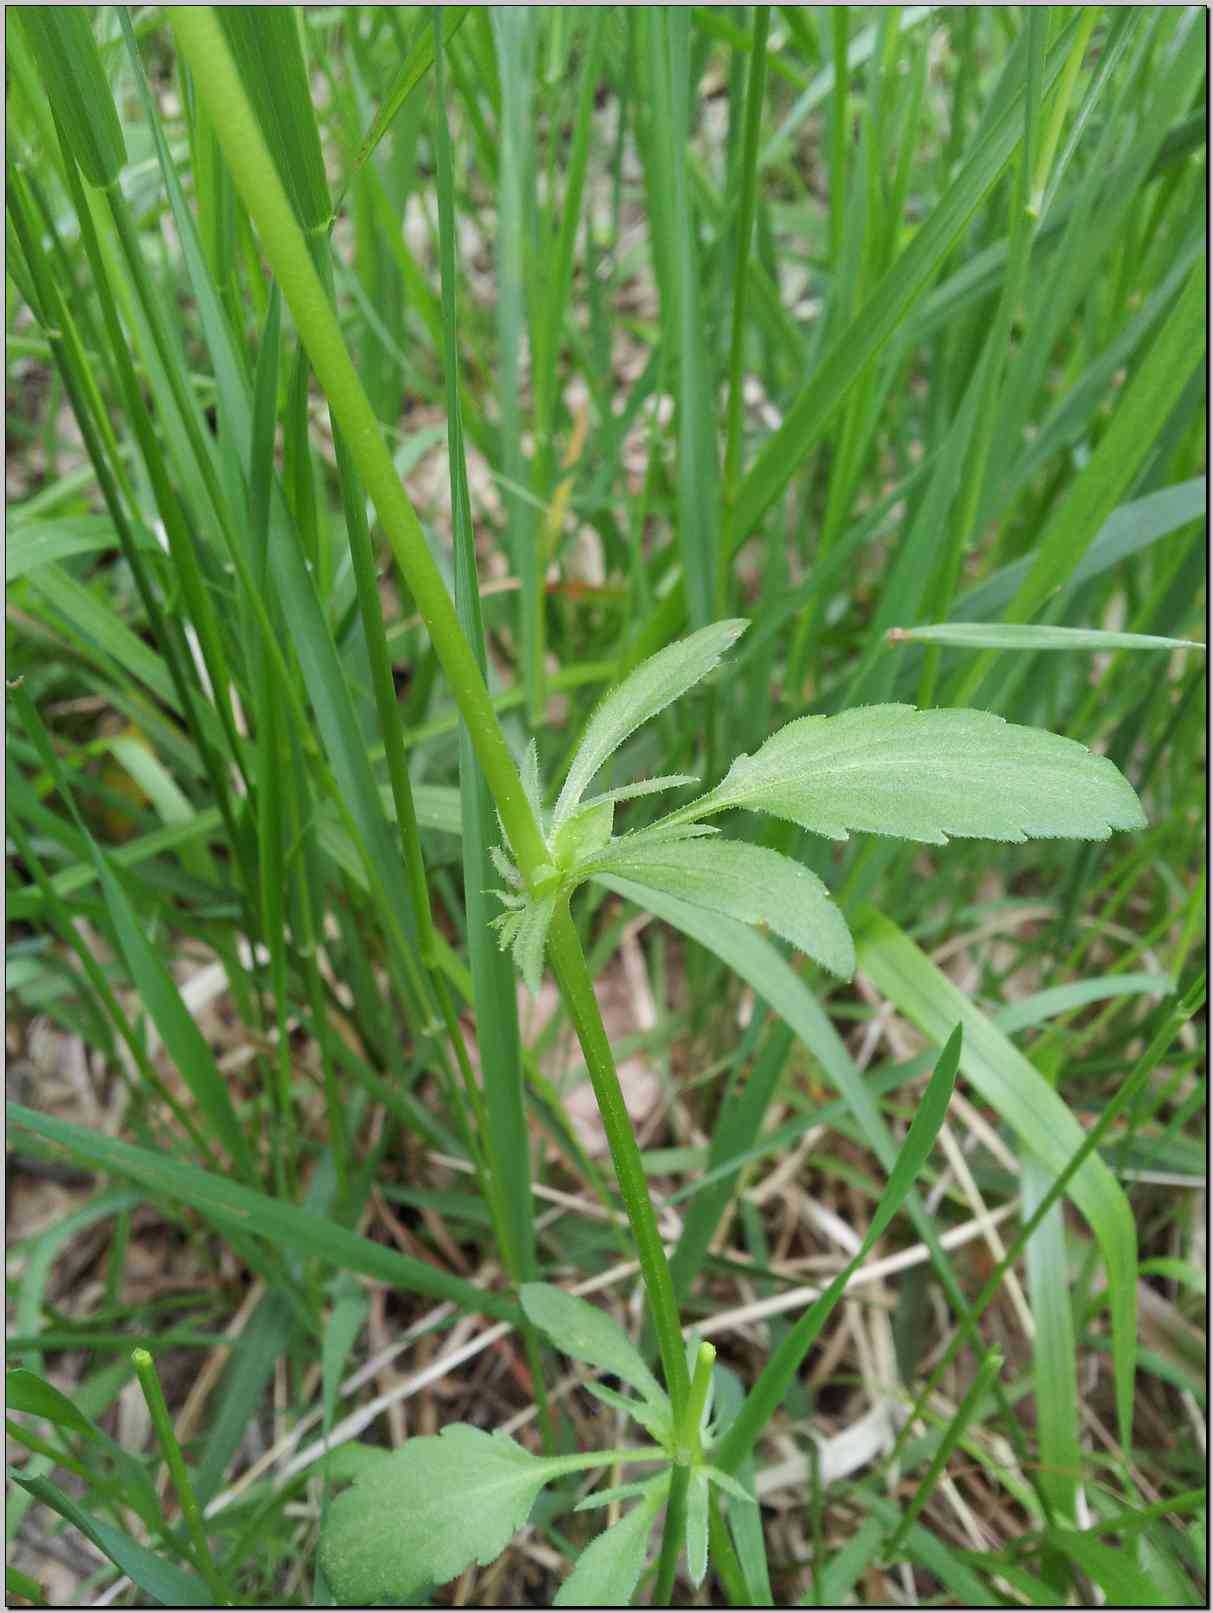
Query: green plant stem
<point>205,50</point>
<point>577,988</point>
<point>149,1382</point>
<point>747,205</point>
<point>672,1536</point>
<point>206,53</point>
<point>986,1373</point>
<point>688,1450</point>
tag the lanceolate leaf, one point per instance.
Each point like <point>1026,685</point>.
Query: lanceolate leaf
<point>164,1581</point>
<point>435,1507</point>
<point>588,1334</point>
<point>660,680</point>
<point>1017,636</point>
<point>609,1569</point>
<point>925,775</point>
<point>745,882</point>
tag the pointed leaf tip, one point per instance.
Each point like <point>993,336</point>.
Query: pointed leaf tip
<point>645,692</point>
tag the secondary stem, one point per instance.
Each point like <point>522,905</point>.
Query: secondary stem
<point>205,50</point>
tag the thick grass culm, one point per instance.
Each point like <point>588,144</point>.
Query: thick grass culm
<point>605,753</point>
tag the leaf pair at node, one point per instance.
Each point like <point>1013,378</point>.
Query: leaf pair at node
<point>888,769</point>
<point>439,1504</point>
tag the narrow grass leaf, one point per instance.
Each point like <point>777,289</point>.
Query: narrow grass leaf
<point>30,544</point>
<point>291,1230</point>
<point>412,70</point>
<point>1127,531</point>
<point>166,1582</point>
<point>69,64</point>
<point>772,1384</point>
<point>26,1391</point>
<point>1112,1569</point>
<point>1014,636</point>
<point>1016,1089</point>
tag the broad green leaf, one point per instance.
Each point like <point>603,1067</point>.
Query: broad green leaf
<point>745,882</point>
<point>228,1204</point>
<point>438,1505</point>
<point>525,932</point>
<point>69,64</point>
<point>925,775</point>
<point>165,1581</point>
<point>641,695</point>
<point>26,1391</point>
<point>1015,636</point>
<point>588,1334</point>
<point>609,1569</point>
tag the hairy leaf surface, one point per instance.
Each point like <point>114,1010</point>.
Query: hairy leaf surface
<point>588,1334</point>
<point>650,689</point>
<point>744,882</point>
<point>435,1507</point>
<point>928,775</point>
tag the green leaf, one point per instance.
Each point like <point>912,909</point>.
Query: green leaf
<point>61,40</point>
<point>18,1584</point>
<point>168,1584</point>
<point>609,1569</point>
<point>730,1486</point>
<point>1014,1087</point>
<point>1113,1570</point>
<point>655,1417</point>
<point>1014,636</point>
<point>32,544</point>
<point>228,1204</point>
<point>767,1394</point>
<point>925,775</point>
<point>588,1334</point>
<point>438,1505</point>
<point>648,690</point>
<point>744,882</point>
<point>648,786</point>
<point>26,1391</point>
<point>411,71</point>
<point>697,1526</point>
